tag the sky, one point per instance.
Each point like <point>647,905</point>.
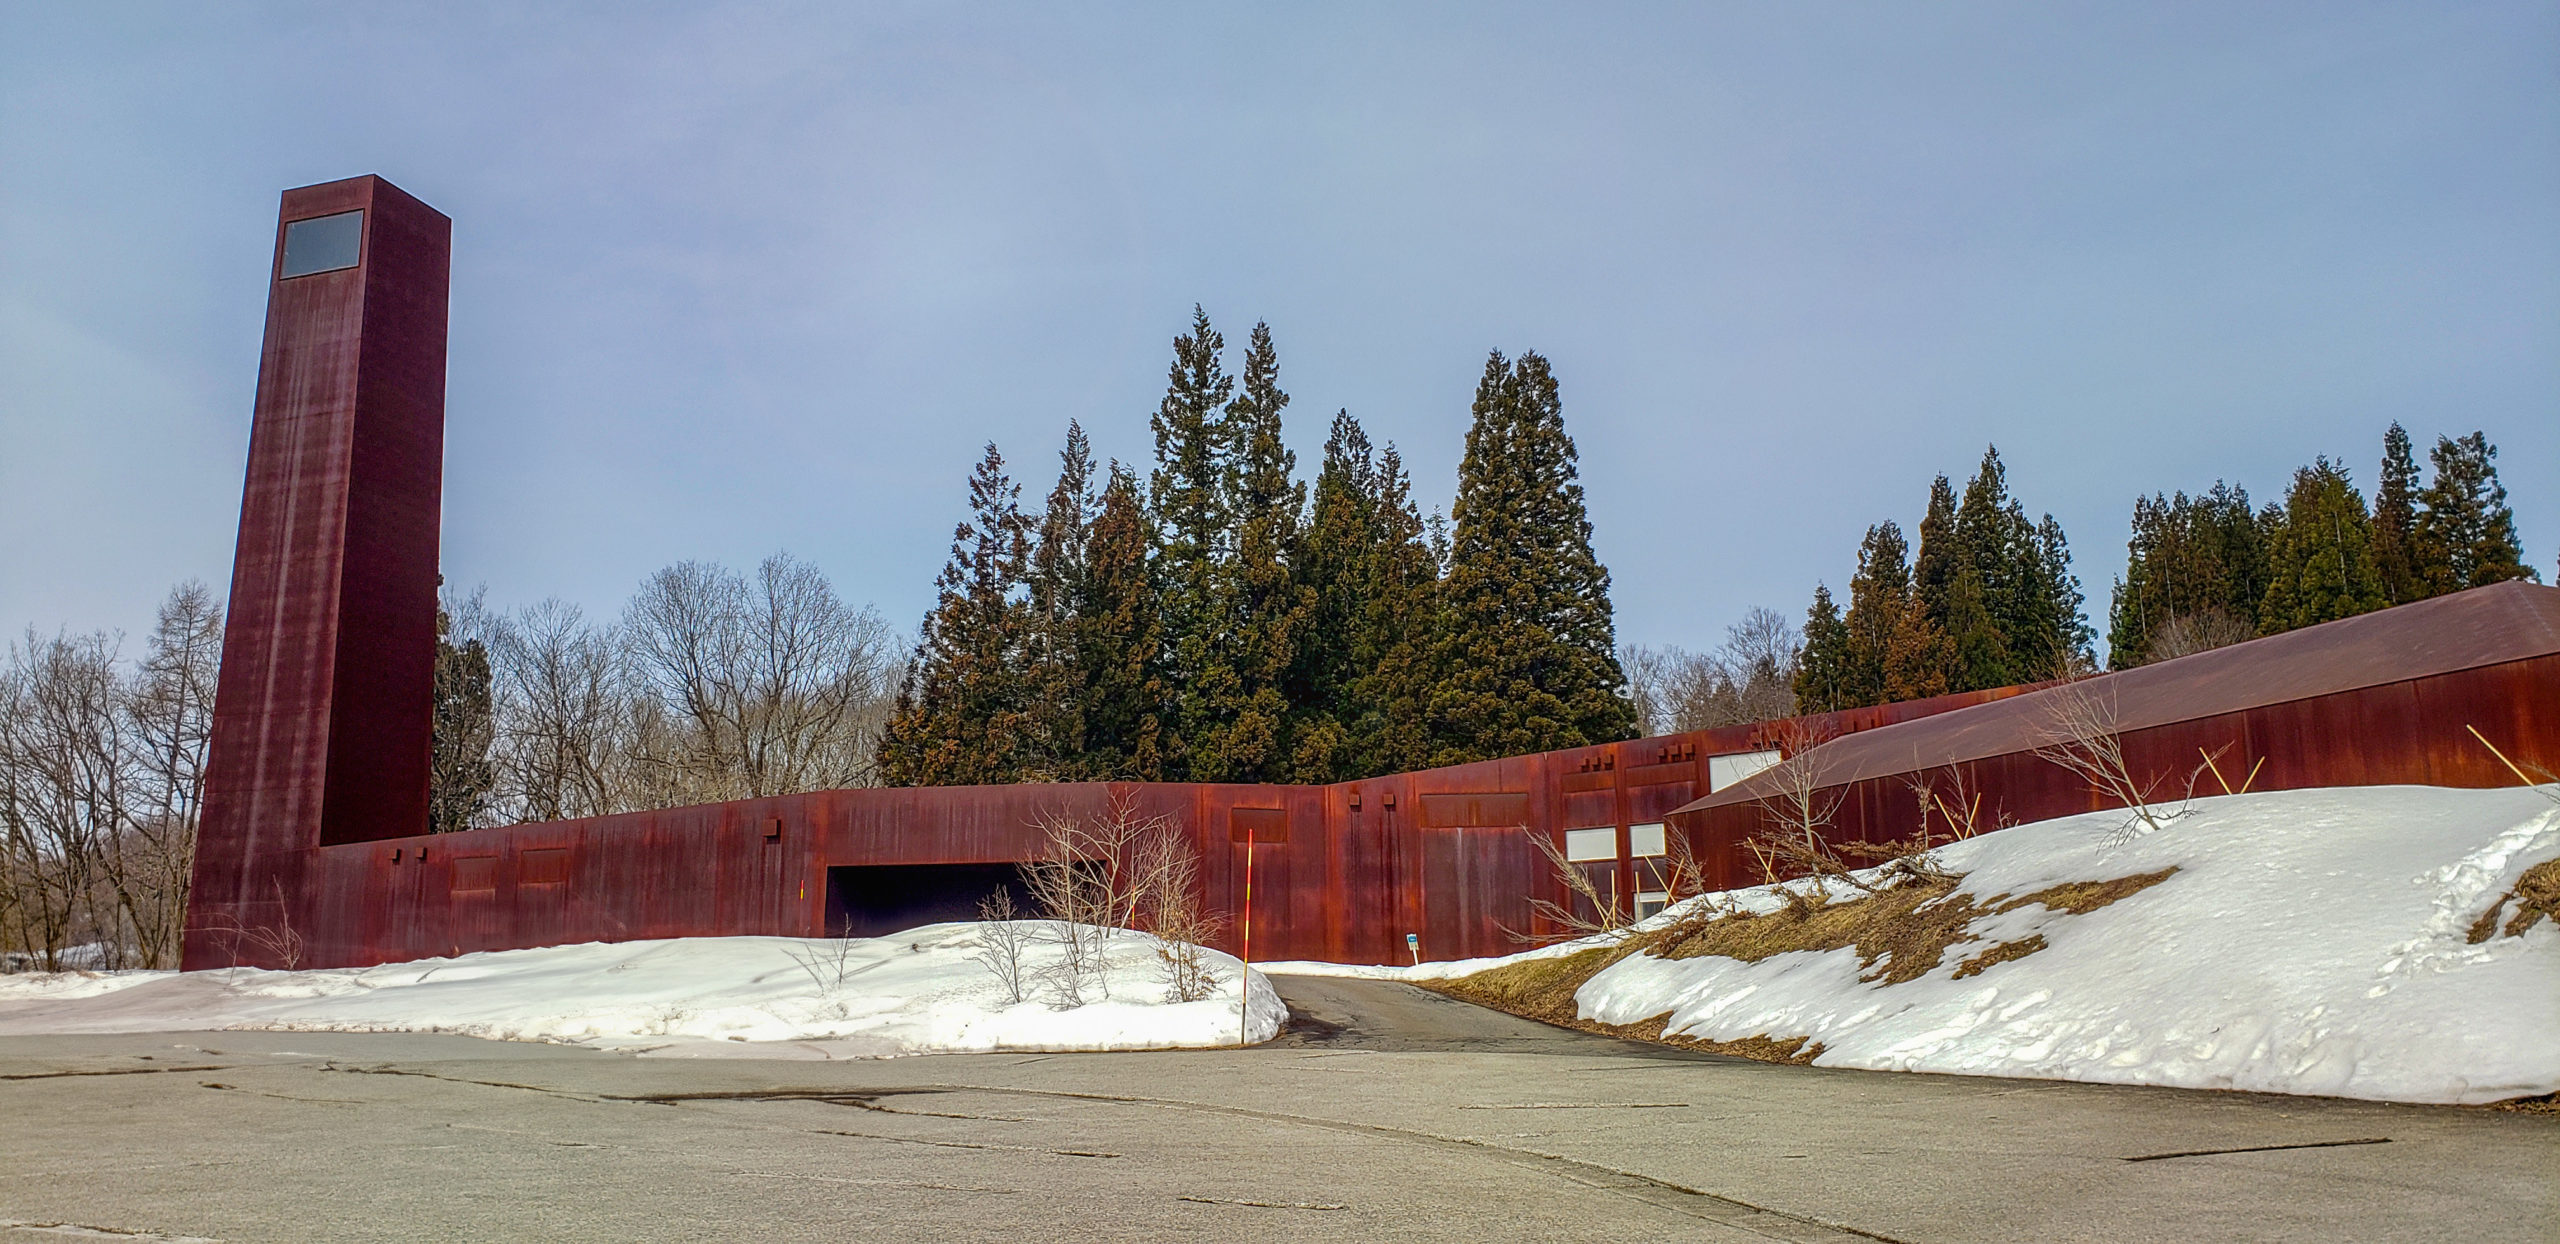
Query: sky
<point>731,279</point>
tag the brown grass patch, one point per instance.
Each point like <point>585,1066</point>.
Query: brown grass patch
<point>2536,896</point>
<point>2082,897</point>
<point>2548,1103</point>
<point>1901,933</point>
<point>2001,953</point>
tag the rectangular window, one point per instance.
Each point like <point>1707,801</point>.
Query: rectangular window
<point>1585,845</point>
<point>1724,771</point>
<point>1650,903</point>
<point>323,243</point>
<point>1645,840</point>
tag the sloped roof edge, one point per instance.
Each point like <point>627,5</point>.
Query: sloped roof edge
<point>2443,635</point>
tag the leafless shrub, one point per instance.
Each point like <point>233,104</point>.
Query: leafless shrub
<point>2080,726</point>
<point>278,943</point>
<point>1117,871</point>
<point>1001,940</point>
<point>829,961</point>
<point>1797,803</point>
<point>1570,923</point>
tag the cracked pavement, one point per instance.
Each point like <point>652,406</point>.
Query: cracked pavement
<point>1385,1113</point>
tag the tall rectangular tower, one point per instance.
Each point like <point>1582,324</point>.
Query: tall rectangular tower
<point>323,717</point>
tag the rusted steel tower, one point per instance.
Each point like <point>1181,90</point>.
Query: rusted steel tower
<point>323,716</point>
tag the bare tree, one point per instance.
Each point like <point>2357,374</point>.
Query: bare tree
<point>1751,678</point>
<point>100,778</point>
<point>1120,870</point>
<point>1605,917</point>
<point>2202,631</point>
<point>1797,802</point>
<point>771,685</point>
<point>563,714</point>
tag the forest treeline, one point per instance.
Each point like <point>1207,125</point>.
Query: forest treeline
<point>1988,599</point>
<point>1219,620</point>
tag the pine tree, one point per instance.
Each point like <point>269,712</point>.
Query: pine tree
<point>1188,497</point>
<point>1933,569</point>
<point>1825,675</point>
<point>2321,557</point>
<point>2199,560</point>
<point>2395,512</point>
<point>1916,658</point>
<point>1119,642</point>
<point>1993,529</point>
<point>1053,671</point>
<point>1528,661</point>
<point>2465,533</point>
<point>1261,609</point>
<point>961,713</point>
<point>460,774</point>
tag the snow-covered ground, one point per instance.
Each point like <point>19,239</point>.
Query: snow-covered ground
<point>2311,941</point>
<point>924,991</point>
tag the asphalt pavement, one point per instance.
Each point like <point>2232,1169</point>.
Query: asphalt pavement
<point>1383,1113</point>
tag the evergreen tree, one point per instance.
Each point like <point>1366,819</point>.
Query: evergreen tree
<point>2201,560</point>
<point>1528,661</point>
<point>1188,497</point>
<point>1933,569</point>
<point>1917,656</point>
<point>1993,530</point>
<point>1260,608</point>
<point>2465,533</point>
<point>1389,719</point>
<point>1879,594</point>
<point>2065,642</point>
<point>2321,558</point>
<point>961,715</point>
<point>460,774</point>
<point>1119,642</point>
<point>2395,512</point>
<point>1825,675</point>
<point>1053,673</point>
<point>1333,563</point>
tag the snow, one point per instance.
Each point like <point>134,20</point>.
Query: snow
<point>2310,942</point>
<point>922,991</point>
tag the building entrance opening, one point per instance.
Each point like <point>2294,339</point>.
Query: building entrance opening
<point>880,899</point>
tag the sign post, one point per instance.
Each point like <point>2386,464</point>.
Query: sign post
<point>1244,974</point>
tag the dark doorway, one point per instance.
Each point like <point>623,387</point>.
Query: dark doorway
<point>880,899</point>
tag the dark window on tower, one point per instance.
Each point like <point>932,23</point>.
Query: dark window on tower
<point>323,243</point>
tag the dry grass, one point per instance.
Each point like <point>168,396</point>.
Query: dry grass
<point>1543,989</point>
<point>2536,896</point>
<point>2001,953</point>
<point>1901,933</point>
<point>2548,1103</point>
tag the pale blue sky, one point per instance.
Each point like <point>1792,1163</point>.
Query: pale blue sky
<point>736,278</point>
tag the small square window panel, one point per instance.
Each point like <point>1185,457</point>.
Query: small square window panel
<point>1645,840</point>
<point>1585,845</point>
<point>323,243</point>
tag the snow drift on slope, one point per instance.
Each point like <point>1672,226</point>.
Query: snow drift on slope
<point>2311,941</point>
<point>922,991</point>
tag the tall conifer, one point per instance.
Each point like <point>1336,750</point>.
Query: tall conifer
<point>1825,677</point>
<point>1260,608</point>
<point>961,713</point>
<point>2321,558</point>
<point>1120,641</point>
<point>1528,661</point>
<point>2395,514</point>
<point>2466,534</point>
<point>1332,564</point>
<point>1879,594</point>
<point>1053,674</point>
<point>1188,496</point>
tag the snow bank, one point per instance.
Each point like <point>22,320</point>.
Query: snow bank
<point>923,991</point>
<point>2310,942</point>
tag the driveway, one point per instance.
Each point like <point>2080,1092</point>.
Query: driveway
<point>1385,1113</point>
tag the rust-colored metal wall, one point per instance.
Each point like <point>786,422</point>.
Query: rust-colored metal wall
<point>1341,872</point>
<point>2410,732</point>
<point>321,716</point>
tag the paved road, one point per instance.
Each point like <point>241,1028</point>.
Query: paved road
<point>1385,1114</point>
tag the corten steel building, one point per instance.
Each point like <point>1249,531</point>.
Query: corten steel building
<point>316,796</point>
<point>2416,695</point>
<point>315,805</point>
